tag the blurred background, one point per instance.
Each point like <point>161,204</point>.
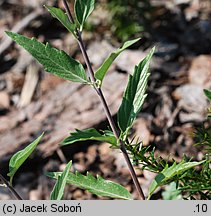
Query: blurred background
<point>32,101</point>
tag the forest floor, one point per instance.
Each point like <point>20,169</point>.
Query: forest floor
<point>32,101</point>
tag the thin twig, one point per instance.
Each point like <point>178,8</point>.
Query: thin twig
<point>6,41</point>
<point>12,190</point>
<point>105,106</point>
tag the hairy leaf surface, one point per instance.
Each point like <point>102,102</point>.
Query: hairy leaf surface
<point>58,190</point>
<point>97,186</point>
<point>18,158</point>
<point>134,95</point>
<point>101,72</point>
<point>54,61</point>
<point>170,172</point>
<point>83,8</point>
<point>90,134</point>
<point>62,17</point>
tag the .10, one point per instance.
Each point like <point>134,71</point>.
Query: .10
<point>201,207</point>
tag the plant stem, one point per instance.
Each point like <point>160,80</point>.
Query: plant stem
<point>105,106</point>
<point>12,190</point>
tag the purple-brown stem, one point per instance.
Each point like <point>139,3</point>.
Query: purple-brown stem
<point>105,106</point>
<point>12,190</point>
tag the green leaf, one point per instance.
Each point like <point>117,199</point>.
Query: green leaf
<point>171,192</point>
<point>97,186</point>
<point>54,61</point>
<point>169,172</point>
<point>90,134</point>
<point>58,190</point>
<point>18,158</point>
<point>83,8</point>
<point>63,18</point>
<point>208,94</point>
<point>134,95</point>
<point>100,73</point>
